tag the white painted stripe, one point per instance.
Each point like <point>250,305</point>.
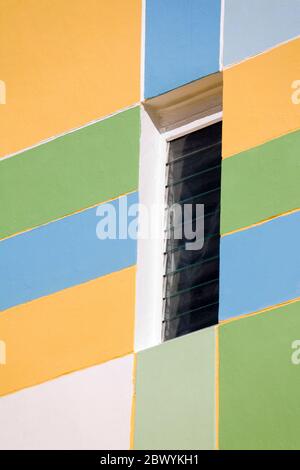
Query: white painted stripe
<point>193,126</point>
<point>148,317</point>
<point>85,410</point>
<point>143,47</point>
<point>222,21</point>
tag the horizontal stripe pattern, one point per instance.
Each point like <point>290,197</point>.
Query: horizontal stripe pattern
<point>79,411</point>
<point>60,255</point>
<point>70,330</point>
<point>66,64</point>
<point>260,267</point>
<point>260,183</point>
<point>70,173</point>
<point>257,99</point>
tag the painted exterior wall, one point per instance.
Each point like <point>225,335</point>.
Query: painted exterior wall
<point>254,26</point>
<point>70,173</point>
<point>89,409</point>
<point>76,74</point>
<point>261,182</point>
<point>253,91</point>
<point>261,259</point>
<point>182,42</point>
<point>259,384</point>
<point>72,77</point>
<point>259,308</point>
<point>67,331</point>
<point>57,76</point>
<point>175,394</point>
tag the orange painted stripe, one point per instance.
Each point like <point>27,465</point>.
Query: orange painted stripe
<point>257,99</point>
<point>67,331</point>
<point>64,64</point>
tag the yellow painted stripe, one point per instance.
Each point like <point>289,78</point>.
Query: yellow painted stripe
<point>67,331</point>
<point>65,63</point>
<point>258,312</point>
<point>257,99</point>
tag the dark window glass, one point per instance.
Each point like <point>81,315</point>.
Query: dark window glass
<point>191,278</point>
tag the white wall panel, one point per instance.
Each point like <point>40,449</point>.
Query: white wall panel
<point>88,409</point>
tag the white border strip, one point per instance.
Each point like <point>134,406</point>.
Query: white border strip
<point>148,316</point>
<point>222,22</point>
<point>192,126</point>
<point>143,53</point>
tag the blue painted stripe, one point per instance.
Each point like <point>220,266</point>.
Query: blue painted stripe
<point>260,267</point>
<point>60,255</point>
<point>182,43</point>
<point>253,26</point>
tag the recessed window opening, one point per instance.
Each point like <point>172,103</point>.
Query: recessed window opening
<point>191,276</point>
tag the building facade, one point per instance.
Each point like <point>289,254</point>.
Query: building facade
<point>92,93</point>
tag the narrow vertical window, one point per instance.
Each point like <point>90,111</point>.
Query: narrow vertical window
<point>191,274</point>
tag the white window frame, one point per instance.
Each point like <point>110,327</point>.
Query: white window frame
<point>150,259</point>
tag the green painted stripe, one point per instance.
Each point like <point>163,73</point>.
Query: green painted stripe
<point>260,381</point>
<point>175,394</point>
<point>260,183</point>
<point>72,172</point>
